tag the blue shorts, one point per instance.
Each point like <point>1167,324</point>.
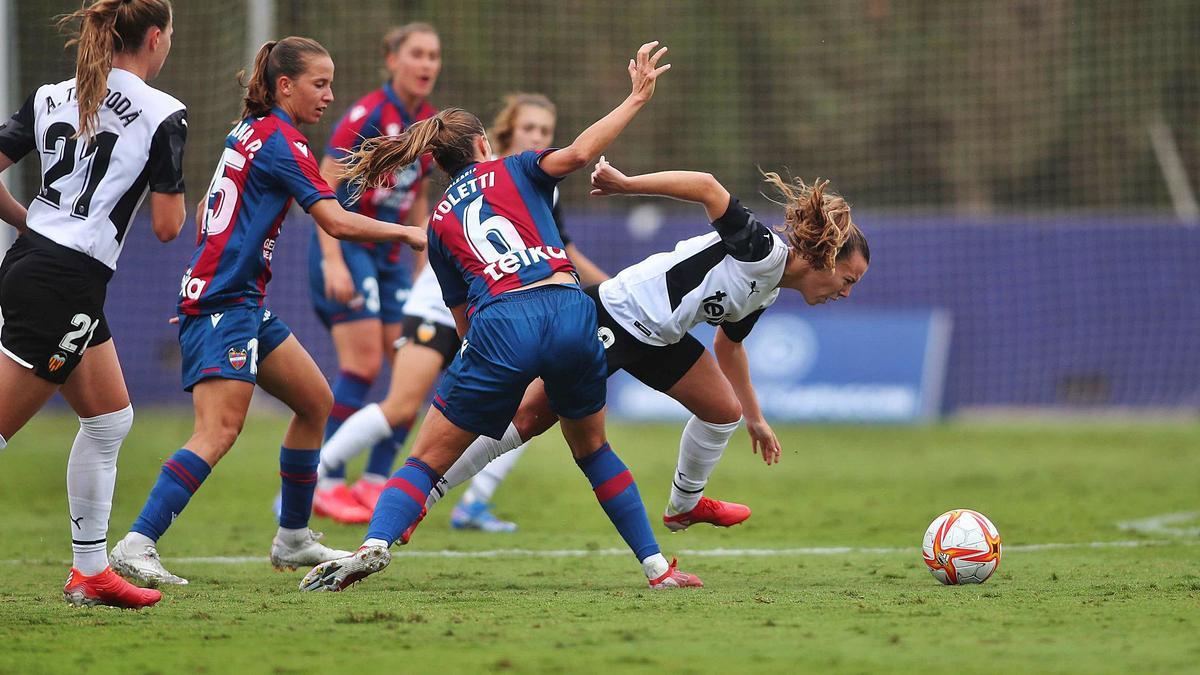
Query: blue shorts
<point>547,332</point>
<point>228,345</point>
<point>382,286</point>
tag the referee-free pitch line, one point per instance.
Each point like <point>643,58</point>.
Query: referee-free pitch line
<point>697,553</point>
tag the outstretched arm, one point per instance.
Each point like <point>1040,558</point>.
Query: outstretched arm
<point>342,224</point>
<point>643,71</point>
<point>689,186</point>
<point>731,357</point>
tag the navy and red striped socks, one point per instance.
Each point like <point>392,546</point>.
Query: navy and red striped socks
<point>181,476</point>
<point>298,472</point>
<point>383,454</point>
<point>402,501</point>
<point>349,394</point>
<point>618,495</point>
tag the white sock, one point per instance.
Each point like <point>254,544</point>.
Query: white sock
<point>484,484</point>
<point>292,535</point>
<point>138,541</point>
<point>360,431</point>
<point>655,566</point>
<point>477,456</point>
<point>700,448</point>
<point>373,478</point>
<point>91,478</point>
<point>376,542</point>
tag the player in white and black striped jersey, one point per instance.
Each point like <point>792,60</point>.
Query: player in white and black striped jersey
<point>105,139</point>
<point>726,278</point>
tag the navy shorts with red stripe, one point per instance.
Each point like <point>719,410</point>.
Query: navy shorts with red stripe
<point>228,345</point>
<point>547,332</point>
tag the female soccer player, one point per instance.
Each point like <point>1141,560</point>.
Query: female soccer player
<point>728,278</point>
<point>359,288</point>
<point>105,138</point>
<point>230,341</point>
<point>510,287</point>
<point>525,123</point>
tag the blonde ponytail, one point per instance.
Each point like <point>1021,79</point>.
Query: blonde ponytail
<point>106,27</point>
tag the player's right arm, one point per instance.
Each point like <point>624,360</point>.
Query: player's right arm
<point>339,284</point>
<point>339,223</point>
<point>643,72</point>
<point>168,209</point>
<point>689,186</point>
<point>299,174</point>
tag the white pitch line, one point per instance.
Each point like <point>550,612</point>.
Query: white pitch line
<point>699,553</point>
<point>1161,524</point>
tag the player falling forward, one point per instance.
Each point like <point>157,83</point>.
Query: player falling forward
<point>728,277</point>
<point>229,340</point>
<point>500,262</point>
<point>105,138</point>
<point>526,122</point>
<point>359,289</point>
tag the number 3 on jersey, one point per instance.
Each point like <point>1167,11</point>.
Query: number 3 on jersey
<point>223,194</point>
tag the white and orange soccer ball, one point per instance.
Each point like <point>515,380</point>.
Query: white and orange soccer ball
<point>961,547</point>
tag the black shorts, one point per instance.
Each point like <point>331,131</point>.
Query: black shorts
<point>438,337</point>
<point>52,300</point>
<point>656,367</point>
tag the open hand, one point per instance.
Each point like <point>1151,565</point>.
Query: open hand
<point>764,442</point>
<point>644,70</point>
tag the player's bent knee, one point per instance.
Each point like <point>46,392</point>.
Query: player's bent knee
<point>109,427</point>
<point>316,407</point>
<point>730,412</point>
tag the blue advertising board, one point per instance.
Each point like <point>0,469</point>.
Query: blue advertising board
<point>878,366</point>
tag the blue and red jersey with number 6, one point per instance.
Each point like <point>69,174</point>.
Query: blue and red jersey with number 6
<point>492,231</point>
<point>266,164</point>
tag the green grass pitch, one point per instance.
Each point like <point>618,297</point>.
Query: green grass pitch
<point>868,608</point>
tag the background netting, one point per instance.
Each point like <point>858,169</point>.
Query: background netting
<point>1027,165</point>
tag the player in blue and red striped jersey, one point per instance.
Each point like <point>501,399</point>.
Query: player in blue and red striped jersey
<point>359,289</point>
<point>504,274</point>
<point>230,341</point>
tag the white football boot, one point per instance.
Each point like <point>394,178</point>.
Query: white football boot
<point>141,562</point>
<point>336,575</point>
<point>301,551</point>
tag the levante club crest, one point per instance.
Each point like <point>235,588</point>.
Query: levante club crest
<point>237,358</point>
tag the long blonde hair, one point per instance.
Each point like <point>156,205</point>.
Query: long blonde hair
<point>817,222</point>
<point>449,135</point>
<point>505,123</point>
<point>106,27</point>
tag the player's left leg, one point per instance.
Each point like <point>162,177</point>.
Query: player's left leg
<point>288,373</point>
<point>575,372</point>
<point>687,372</point>
<point>96,392</point>
<point>22,394</point>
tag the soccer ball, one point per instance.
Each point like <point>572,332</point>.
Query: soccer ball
<point>961,547</point>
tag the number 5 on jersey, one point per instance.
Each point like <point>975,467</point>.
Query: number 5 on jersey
<point>223,193</point>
